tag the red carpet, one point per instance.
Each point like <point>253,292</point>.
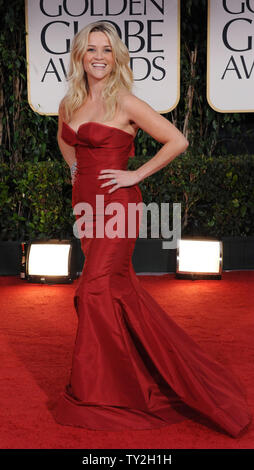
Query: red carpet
<point>38,325</point>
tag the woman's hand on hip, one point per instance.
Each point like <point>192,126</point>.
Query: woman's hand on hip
<point>118,178</point>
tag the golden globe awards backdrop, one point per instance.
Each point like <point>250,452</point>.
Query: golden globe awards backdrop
<point>149,28</point>
<point>230,59</point>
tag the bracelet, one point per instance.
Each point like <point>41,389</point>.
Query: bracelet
<point>73,168</point>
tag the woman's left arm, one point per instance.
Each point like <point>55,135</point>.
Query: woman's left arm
<point>160,129</point>
<point>146,118</point>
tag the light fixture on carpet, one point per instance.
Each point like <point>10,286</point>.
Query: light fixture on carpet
<point>48,261</point>
<point>199,259</point>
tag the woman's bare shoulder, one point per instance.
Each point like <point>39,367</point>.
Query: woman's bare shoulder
<point>128,103</point>
<point>127,97</point>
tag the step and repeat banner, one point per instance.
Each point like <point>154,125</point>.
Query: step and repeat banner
<point>230,58</point>
<point>149,28</point>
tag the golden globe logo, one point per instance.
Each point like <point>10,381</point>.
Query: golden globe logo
<point>149,28</point>
<point>230,62</point>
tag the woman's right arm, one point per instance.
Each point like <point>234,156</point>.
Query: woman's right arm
<point>68,151</point>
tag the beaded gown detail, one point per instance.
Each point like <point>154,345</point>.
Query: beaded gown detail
<point>133,367</point>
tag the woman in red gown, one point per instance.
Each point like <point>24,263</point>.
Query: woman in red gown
<point>133,367</point>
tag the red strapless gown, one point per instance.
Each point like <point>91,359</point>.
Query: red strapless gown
<point>133,366</point>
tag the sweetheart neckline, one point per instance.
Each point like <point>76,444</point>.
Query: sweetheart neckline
<point>99,123</point>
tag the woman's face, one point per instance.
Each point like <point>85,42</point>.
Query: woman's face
<point>98,59</point>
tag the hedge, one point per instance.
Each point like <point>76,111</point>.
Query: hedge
<point>216,196</point>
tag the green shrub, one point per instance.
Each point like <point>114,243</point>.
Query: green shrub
<point>216,196</point>
<point>35,201</point>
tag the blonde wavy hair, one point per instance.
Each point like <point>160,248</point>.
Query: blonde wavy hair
<point>120,77</point>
